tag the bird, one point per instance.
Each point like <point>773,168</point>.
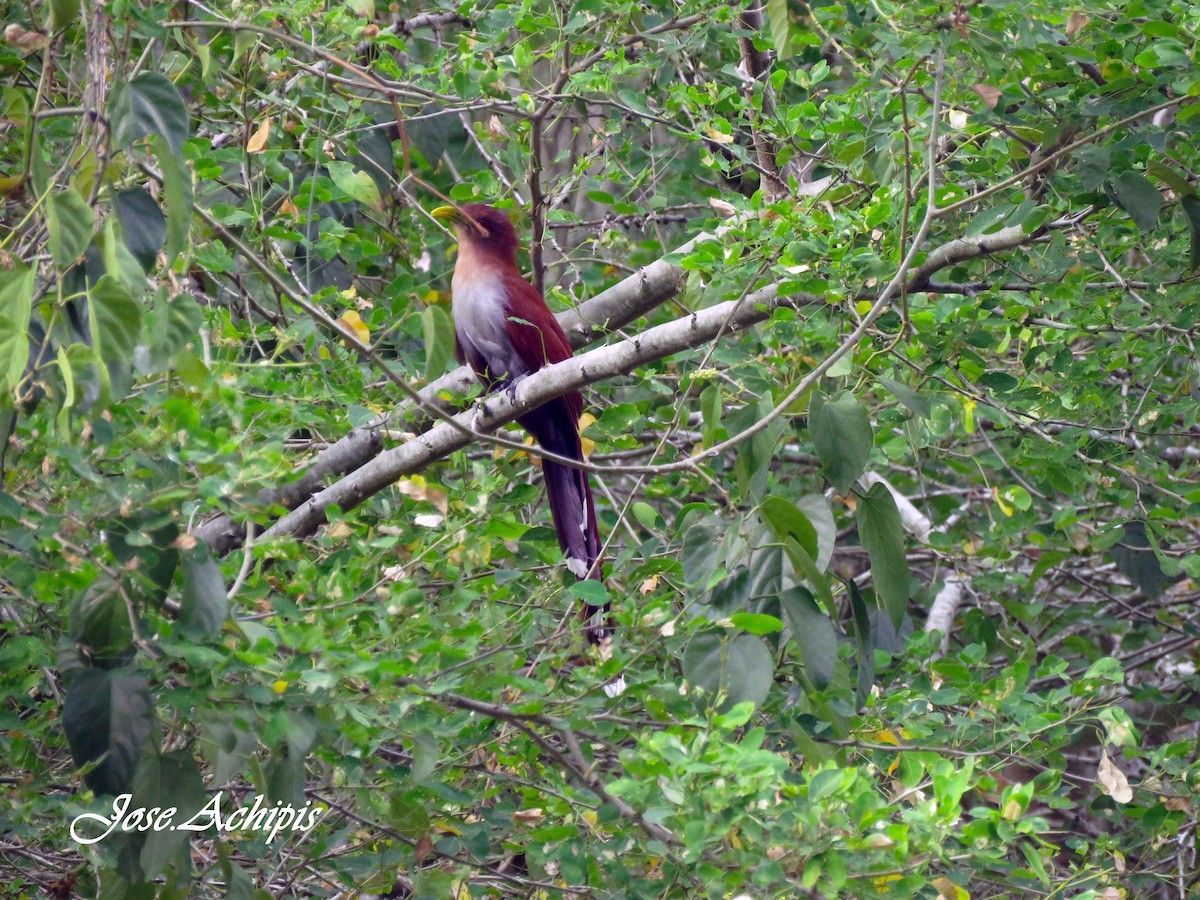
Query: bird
<point>504,331</point>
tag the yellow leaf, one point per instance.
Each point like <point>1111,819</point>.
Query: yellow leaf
<point>10,183</point>
<point>258,140</point>
<point>351,323</point>
<point>948,890</point>
<point>340,530</point>
<point>1004,507</point>
<point>586,444</point>
<point>719,137</point>
<point>969,416</point>
<point>885,737</point>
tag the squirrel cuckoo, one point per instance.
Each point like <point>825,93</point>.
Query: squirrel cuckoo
<point>504,331</point>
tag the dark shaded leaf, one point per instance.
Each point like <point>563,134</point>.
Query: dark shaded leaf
<point>1135,557</point>
<point>864,643</point>
<point>116,321</point>
<point>149,104</point>
<point>812,633</point>
<point>203,605</point>
<point>146,537</point>
<point>173,780</point>
<point>100,621</point>
<point>143,225</point>
<point>755,456</point>
<point>1138,197</point>
<point>843,436</point>
<point>107,717</point>
<point>880,532</point>
<point>740,667</point>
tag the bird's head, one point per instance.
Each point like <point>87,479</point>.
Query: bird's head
<point>481,227</point>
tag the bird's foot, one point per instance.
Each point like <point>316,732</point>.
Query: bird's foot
<point>510,387</point>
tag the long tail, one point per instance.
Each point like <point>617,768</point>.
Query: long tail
<point>574,511</point>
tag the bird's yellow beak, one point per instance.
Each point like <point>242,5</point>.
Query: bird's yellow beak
<point>445,214</point>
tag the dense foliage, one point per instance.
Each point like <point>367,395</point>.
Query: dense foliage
<point>893,422</point>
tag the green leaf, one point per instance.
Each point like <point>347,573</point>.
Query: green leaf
<point>143,225</point>
<point>1191,209</point>
<point>438,331</point>
<point>16,305</point>
<point>69,227</point>
<point>993,219</point>
<point>781,27</point>
<point>203,606</point>
<point>177,191</point>
<point>63,13</point>
<point>356,184</point>
<point>711,404</point>
<point>754,457</point>
<point>916,404</point>
<point>816,509</point>
<point>65,371</point>
<point>841,431</point>
<point>590,591</point>
<point>149,104</point>
<point>424,755</point>
<point>174,323</point>
<point>116,320</point>
<point>785,519</point>
<point>1168,176</point>
<point>806,566</point>
<point>741,667</point>
<point>118,261</point>
<point>699,557</point>
<point>645,514</point>
<point>864,643</point>
<point>756,623</point>
<point>107,717</point>
<point>880,532</point>
<point>813,634</point>
<point>1138,197</point>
